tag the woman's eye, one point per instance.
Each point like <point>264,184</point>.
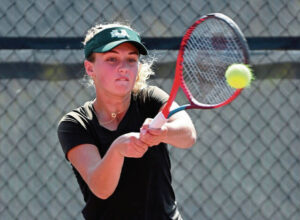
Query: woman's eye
<point>132,60</point>
<point>111,59</point>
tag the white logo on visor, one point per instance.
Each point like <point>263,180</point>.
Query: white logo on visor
<point>119,33</point>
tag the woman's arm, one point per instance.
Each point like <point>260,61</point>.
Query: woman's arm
<point>102,174</point>
<point>178,131</point>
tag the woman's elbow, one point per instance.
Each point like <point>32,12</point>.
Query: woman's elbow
<point>98,188</point>
<point>192,139</point>
<point>189,136</point>
<point>191,133</point>
<point>101,194</point>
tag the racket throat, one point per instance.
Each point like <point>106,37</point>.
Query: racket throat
<point>183,107</point>
<point>165,111</point>
<point>173,93</point>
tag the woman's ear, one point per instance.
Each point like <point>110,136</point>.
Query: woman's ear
<point>89,68</point>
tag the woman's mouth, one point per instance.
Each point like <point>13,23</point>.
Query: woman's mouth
<point>122,79</point>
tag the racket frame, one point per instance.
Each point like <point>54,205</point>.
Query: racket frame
<point>178,82</point>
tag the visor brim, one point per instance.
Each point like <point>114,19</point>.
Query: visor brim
<point>141,48</point>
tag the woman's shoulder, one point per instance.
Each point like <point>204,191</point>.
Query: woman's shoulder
<point>150,99</point>
<point>80,114</point>
<point>152,92</point>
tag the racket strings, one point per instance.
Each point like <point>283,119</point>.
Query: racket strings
<point>211,48</point>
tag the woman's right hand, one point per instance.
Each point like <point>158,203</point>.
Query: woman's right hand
<point>130,145</point>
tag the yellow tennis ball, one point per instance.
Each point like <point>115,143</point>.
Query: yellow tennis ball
<point>239,76</point>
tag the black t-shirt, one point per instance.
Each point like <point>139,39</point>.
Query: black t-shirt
<point>144,190</point>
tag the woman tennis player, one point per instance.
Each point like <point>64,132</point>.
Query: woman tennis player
<point>122,166</point>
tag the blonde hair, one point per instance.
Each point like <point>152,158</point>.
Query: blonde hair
<point>145,65</point>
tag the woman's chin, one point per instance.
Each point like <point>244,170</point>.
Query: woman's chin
<point>123,89</point>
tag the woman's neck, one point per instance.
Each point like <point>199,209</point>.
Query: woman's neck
<point>110,108</point>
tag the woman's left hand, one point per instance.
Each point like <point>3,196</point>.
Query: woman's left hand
<point>152,136</point>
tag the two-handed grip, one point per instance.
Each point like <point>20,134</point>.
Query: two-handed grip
<point>158,121</point>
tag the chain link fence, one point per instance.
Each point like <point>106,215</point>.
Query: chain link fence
<point>245,164</point>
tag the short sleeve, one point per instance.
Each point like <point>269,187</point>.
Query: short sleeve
<point>158,95</point>
<point>72,132</point>
<point>153,98</point>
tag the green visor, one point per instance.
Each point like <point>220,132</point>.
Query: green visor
<point>109,38</point>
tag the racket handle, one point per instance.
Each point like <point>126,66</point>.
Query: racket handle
<point>158,121</point>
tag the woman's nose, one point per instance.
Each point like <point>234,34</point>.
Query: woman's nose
<point>123,67</point>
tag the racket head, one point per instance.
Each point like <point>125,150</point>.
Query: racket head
<point>209,46</point>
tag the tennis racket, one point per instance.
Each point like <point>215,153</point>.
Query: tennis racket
<point>208,47</point>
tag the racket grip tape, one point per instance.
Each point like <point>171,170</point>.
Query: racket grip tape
<point>158,121</point>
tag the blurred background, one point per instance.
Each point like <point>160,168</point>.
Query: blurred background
<point>245,164</point>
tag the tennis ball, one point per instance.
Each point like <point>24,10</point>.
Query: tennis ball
<point>239,76</point>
